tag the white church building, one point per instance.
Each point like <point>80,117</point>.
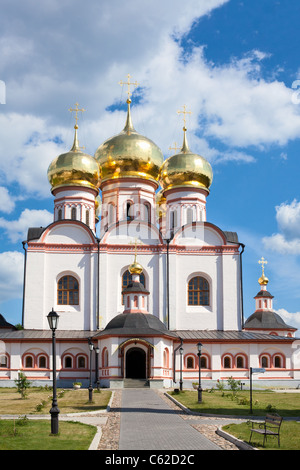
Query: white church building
<point>156,279</point>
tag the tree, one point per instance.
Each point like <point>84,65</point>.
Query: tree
<point>22,384</point>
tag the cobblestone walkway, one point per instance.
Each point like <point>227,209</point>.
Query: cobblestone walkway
<point>111,432</point>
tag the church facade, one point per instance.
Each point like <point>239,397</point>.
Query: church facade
<point>157,279</point>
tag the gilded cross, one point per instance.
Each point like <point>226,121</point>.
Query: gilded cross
<point>135,247</point>
<point>76,111</point>
<point>175,147</point>
<point>184,112</point>
<point>129,83</point>
<point>263,262</point>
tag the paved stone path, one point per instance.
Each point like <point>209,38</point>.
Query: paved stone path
<point>149,423</point>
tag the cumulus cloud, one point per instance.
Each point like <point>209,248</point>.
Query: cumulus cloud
<point>288,220</point>
<point>11,275</point>
<point>292,319</point>
<point>53,66</point>
<point>17,229</point>
<point>7,203</point>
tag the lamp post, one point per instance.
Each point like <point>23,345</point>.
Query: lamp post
<point>180,381</point>
<point>91,346</point>
<point>54,412</point>
<point>199,346</point>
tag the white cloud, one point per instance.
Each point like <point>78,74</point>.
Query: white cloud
<point>288,220</point>
<point>17,229</point>
<point>292,319</point>
<point>7,203</point>
<point>11,275</point>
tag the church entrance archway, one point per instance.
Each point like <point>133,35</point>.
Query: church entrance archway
<point>136,363</point>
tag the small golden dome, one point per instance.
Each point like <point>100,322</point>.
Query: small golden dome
<point>74,168</point>
<point>135,268</point>
<point>186,169</point>
<point>129,155</point>
<point>263,280</point>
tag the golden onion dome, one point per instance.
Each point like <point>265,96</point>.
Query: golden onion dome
<point>186,169</point>
<point>74,168</point>
<point>135,268</point>
<point>263,280</point>
<point>129,155</point>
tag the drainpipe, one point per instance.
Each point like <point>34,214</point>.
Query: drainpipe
<point>241,277</point>
<point>24,280</point>
<point>174,358</point>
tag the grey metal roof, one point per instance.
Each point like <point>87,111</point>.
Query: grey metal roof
<point>231,335</point>
<point>192,335</point>
<point>38,335</point>
<point>267,319</point>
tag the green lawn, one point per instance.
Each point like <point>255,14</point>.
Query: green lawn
<point>289,436</point>
<point>27,434</point>
<point>39,401</point>
<point>285,404</point>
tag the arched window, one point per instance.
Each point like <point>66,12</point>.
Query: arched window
<point>28,362</point>
<point>203,362</point>
<point>147,212</point>
<point>73,213</point>
<point>166,358</point>
<point>68,291</point>
<point>265,362</point>
<point>42,362</point>
<point>3,361</point>
<point>105,357</point>
<point>173,219</point>
<point>190,363</point>
<point>240,362</point>
<point>277,361</point>
<point>198,291</point>
<point>129,211</point>
<point>127,277</point>
<point>81,362</point>
<point>59,214</point>
<point>87,217</point>
<point>227,362</point>
<point>68,362</point>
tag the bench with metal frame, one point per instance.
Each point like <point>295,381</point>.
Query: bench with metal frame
<point>269,427</point>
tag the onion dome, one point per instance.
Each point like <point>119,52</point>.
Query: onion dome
<point>129,155</point>
<point>186,169</point>
<point>263,280</point>
<point>74,168</point>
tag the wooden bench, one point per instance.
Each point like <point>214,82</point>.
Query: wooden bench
<point>269,427</point>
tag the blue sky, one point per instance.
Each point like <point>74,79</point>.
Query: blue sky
<point>236,66</point>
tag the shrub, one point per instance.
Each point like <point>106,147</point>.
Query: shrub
<point>22,385</point>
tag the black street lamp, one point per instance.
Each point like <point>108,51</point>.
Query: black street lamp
<point>91,346</point>
<point>199,346</point>
<point>54,412</point>
<point>180,381</point>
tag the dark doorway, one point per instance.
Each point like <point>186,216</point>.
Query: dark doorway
<point>135,364</point>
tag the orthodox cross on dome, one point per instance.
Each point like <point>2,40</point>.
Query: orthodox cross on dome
<point>135,243</point>
<point>76,111</point>
<point>175,147</point>
<point>184,112</point>
<point>262,261</point>
<point>129,83</point>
